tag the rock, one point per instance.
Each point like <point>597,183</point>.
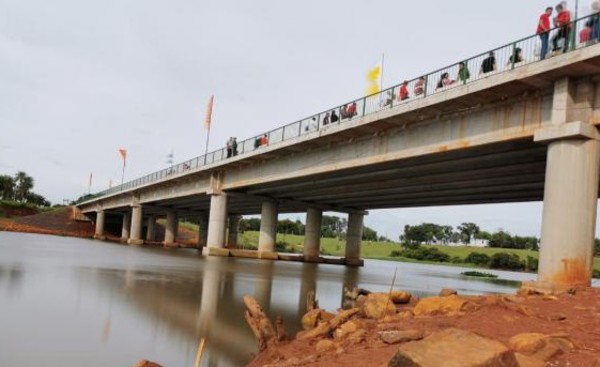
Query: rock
<point>347,328</point>
<point>327,327</point>
<point>526,361</point>
<point>400,336</point>
<point>550,298</point>
<point>454,347</point>
<point>377,305</point>
<point>325,345</point>
<point>449,305</point>
<point>400,297</point>
<point>146,363</point>
<point>311,318</point>
<point>326,316</point>
<point>447,292</point>
<point>557,317</point>
<point>356,337</point>
<point>540,346</point>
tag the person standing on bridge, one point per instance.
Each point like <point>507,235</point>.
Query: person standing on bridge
<point>334,118</point>
<point>488,65</point>
<point>326,119</point>
<point>543,31</point>
<point>234,147</point>
<point>563,23</point>
<point>463,72</point>
<point>419,87</point>
<point>404,95</point>
<point>228,145</point>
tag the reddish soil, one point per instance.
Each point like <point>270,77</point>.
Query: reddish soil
<point>500,318</point>
<point>10,212</point>
<point>58,222</point>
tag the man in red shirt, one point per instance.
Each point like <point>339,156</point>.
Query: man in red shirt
<point>543,30</point>
<point>404,91</point>
<point>563,22</point>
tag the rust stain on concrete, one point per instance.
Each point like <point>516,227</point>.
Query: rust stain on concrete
<point>574,272</point>
<point>442,148</point>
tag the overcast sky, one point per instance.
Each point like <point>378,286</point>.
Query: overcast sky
<point>79,79</point>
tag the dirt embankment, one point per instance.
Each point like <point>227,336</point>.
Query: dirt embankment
<point>527,330</point>
<point>60,222</point>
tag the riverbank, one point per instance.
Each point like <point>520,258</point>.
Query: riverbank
<point>500,327</point>
<point>58,222</point>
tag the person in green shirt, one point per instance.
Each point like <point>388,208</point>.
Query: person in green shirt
<point>463,72</point>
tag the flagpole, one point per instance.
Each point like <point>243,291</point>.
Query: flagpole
<point>90,184</point>
<point>381,74</point>
<point>123,174</point>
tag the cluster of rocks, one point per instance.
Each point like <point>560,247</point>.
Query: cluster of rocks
<point>380,315</point>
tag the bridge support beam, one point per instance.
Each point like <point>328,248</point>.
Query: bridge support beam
<point>136,225</point>
<point>202,231</point>
<point>171,228</point>
<point>125,227</point>
<point>99,233</point>
<point>571,189</point>
<point>312,235</point>
<point>353,239</point>
<point>234,228</point>
<point>216,226</point>
<point>151,229</point>
<point>268,227</point>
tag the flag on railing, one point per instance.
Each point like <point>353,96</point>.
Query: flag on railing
<point>208,119</point>
<point>374,79</point>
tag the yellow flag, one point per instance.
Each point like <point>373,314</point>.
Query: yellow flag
<point>373,79</point>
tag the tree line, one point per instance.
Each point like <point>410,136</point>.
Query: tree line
<point>19,188</point>
<point>331,227</point>
<point>431,233</point>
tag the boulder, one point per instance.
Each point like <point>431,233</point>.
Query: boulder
<point>146,363</point>
<point>400,336</point>
<point>400,297</point>
<point>540,346</point>
<point>377,305</point>
<point>311,319</point>
<point>347,328</point>
<point>526,361</point>
<point>454,348</point>
<point>447,292</point>
<point>325,345</point>
<point>448,305</point>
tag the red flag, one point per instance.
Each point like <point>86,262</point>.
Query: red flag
<point>208,119</point>
<point>123,153</point>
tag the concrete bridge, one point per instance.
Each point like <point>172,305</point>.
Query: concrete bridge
<point>527,132</point>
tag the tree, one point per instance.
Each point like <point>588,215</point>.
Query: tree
<point>7,187</point>
<point>332,226</point>
<point>425,233</point>
<point>501,239</point>
<point>23,185</point>
<point>369,234</point>
<point>289,227</point>
<point>251,224</point>
<point>468,231</point>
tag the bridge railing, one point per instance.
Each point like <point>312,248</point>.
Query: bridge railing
<point>507,57</point>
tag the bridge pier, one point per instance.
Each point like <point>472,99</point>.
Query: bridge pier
<point>216,226</point>
<point>312,235</point>
<point>268,229</point>
<point>571,188</point>
<point>99,232</point>
<point>354,239</point>
<point>234,228</point>
<point>202,231</point>
<point>151,230</point>
<point>125,227</point>
<point>171,228</point>
<point>136,225</point>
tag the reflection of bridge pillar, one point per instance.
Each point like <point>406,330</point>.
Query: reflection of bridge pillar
<point>263,285</point>
<point>202,230</point>
<point>312,235</point>
<point>136,225</point>
<point>125,227</point>
<point>99,233</point>
<point>171,227</point>
<point>308,283</point>
<point>571,187</point>
<point>354,238</point>
<point>216,225</point>
<point>234,228</point>
<point>211,294</point>
<point>350,280</point>
<point>268,227</point>
<point>151,231</point>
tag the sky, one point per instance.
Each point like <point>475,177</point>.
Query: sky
<point>81,79</point>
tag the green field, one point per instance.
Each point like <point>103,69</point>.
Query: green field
<point>381,250</point>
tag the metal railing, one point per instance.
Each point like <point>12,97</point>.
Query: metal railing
<point>508,57</point>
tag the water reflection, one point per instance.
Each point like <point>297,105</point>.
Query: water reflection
<point>115,304</point>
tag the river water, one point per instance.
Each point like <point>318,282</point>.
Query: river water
<point>74,302</point>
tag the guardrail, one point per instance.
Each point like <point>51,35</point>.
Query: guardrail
<point>508,57</point>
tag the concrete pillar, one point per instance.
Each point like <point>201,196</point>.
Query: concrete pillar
<point>202,230</point>
<point>571,189</point>
<point>99,233</point>
<point>312,235</point>
<point>354,238</point>
<point>268,227</point>
<point>136,226</point>
<point>216,226</point>
<point>234,228</point>
<point>125,227</point>
<point>171,227</point>
<point>151,231</point>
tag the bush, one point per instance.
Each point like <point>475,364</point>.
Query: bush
<point>422,253</point>
<point>456,260</point>
<point>504,260</point>
<point>532,263</point>
<point>396,253</point>
<point>478,258</point>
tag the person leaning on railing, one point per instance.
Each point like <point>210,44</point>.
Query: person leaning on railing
<point>419,87</point>
<point>444,81</point>
<point>516,57</point>
<point>488,65</point>
<point>404,95</point>
<point>563,23</point>
<point>543,31</point>
<point>463,72</point>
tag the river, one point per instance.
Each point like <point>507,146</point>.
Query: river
<point>75,302</point>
